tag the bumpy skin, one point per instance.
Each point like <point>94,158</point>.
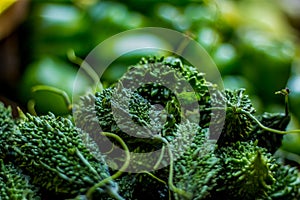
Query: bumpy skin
<point>150,105</point>
<point>287,185</point>
<point>145,79</point>
<point>133,114</point>
<point>136,121</point>
<point>126,114</point>
<point>139,186</point>
<point>242,166</point>
<point>170,80</point>
<point>196,167</point>
<point>237,125</point>
<point>85,117</point>
<point>51,150</point>
<point>142,186</point>
<point>126,186</point>
<point>248,172</point>
<point>6,129</point>
<point>14,185</point>
<point>266,139</point>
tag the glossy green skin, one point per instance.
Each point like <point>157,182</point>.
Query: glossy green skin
<point>14,185</point>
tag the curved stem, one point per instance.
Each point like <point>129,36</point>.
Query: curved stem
<point>160,158</point>
<point>54,90</point>
<point>85,66</point>
<point>111,150</point>
<point>267,128</point>
<point>170,181</point>
<point>171,172</point>
<point>285,92</point>
<point>31,107</point>
<point>153,176</point>
<point>119,172</point>
<point>258,122</point>
<point>127,153</point>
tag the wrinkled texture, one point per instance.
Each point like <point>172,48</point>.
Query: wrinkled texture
<point>6,128</point>
<point>15,185</point>
<point>247,171</point>
<point>237,125</point>
<point>287,185</point>
<point>196,166</point>
<point>52,151</point>
<point>169,82</point>
<point>143,111</point>
<point>159,104</point>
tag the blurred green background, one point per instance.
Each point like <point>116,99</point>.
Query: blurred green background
<point>254,43</point>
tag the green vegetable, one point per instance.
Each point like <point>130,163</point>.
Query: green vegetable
<point>120,112</point>
<point>241,166</point>
<point>141,185</point>
<point>14,185</point>
<point>196,167</point>
<point>170,82</point>
<point>6,128</point>
<point>237,125</point>
<point>267,139</point>
<point>287,185</point>
<point>52,151</point>
<point>248,172</point>
<point>142,102</point>
<point>67,161</point>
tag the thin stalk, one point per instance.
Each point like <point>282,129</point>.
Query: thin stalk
<point>286,100</point>
<point>54,90</point>
<point>118,173</point>
<point>267,128</point>
<point>31,107</point>
<point>171,172</point>
<point>285,92</point>
<point>160,158</point>
<point>258,122</point>
<point>86,67</point>
<point>153,176</point>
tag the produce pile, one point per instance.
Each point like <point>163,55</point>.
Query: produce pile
<point>246,39</point>
<point>55,157</point>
